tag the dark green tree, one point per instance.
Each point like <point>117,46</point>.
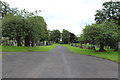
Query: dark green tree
<point>111,10</point>
<point>72,38</point>
<point>65,36</point>
<point>12,27</point>
<point>103,34</point>
<point>37,29</point>
<point>55,36</point>
<point>24,26</point>
<point>5,9</point>
<point>82,39</point>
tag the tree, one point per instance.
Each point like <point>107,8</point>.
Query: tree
<point>103,34</point>
<point>72,38</point>
<point>112,30</point>
<point>5,9</point>
<point>55,35</point>
<point>12,27</point>
<point>37,29</point>
<point>65,36</point>
<point>111,10</point>
<point>82,38</point>
<point>25,26</point>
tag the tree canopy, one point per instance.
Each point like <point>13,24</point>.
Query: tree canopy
<point>65,36</point>
<point>103,34</point>
<point>23,25</point>
<point>73,38</point>
<point>55,36</point>
<point>110,10</point>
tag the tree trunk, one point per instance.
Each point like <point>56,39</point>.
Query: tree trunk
<point>76,44</point>
<point>44,43</point>
<point>81,45</point>
<point>19,41</point>
<point>27,41</point>
<point>116,46</point>
<point>94,47</point>
<point>101,47</point>
<point>33,42</point>
<point>0,40</point>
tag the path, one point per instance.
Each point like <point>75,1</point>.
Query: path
<point>57,63</point>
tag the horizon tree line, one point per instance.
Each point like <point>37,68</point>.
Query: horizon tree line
<point>29,28</point>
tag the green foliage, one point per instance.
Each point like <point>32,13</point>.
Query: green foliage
<point>104,33</point>
<point>65,36</point>
<point>12,26</point>
<point>37,28</point>
<point>55,35</point>
<point>110,10</point>
<point>22,25</point>
<point>82,38</point>
<point>92,32</point>
<point>5,9</point>
<point>73,38</point>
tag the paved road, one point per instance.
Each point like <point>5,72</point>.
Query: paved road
<point>57,63</point>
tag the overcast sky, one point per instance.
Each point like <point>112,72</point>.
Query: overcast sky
<point>71,15</point>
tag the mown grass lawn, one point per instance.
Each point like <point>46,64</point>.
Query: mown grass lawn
<point>0,48</point>
<point>27,49</point>
<point>109,54</point>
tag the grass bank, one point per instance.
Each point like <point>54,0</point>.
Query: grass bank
<point>27,49</point>
<point>109,54</point>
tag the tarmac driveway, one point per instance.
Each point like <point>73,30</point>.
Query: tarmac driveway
<point>57,63</point>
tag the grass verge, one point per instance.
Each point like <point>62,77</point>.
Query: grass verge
<point>109,54</point>
<point>27,49</point>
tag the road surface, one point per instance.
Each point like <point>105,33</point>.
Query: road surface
<point>57,63</point>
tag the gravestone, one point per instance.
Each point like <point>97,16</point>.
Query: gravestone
<point>44,43</point>
<point>35,44</point>
<point>75,44</point>
<point>84,46</point>
<point>70,44</point>
<point>10,43</point>
<point>118,45</point>
<point>106,47</point>
<point>13,43</point>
